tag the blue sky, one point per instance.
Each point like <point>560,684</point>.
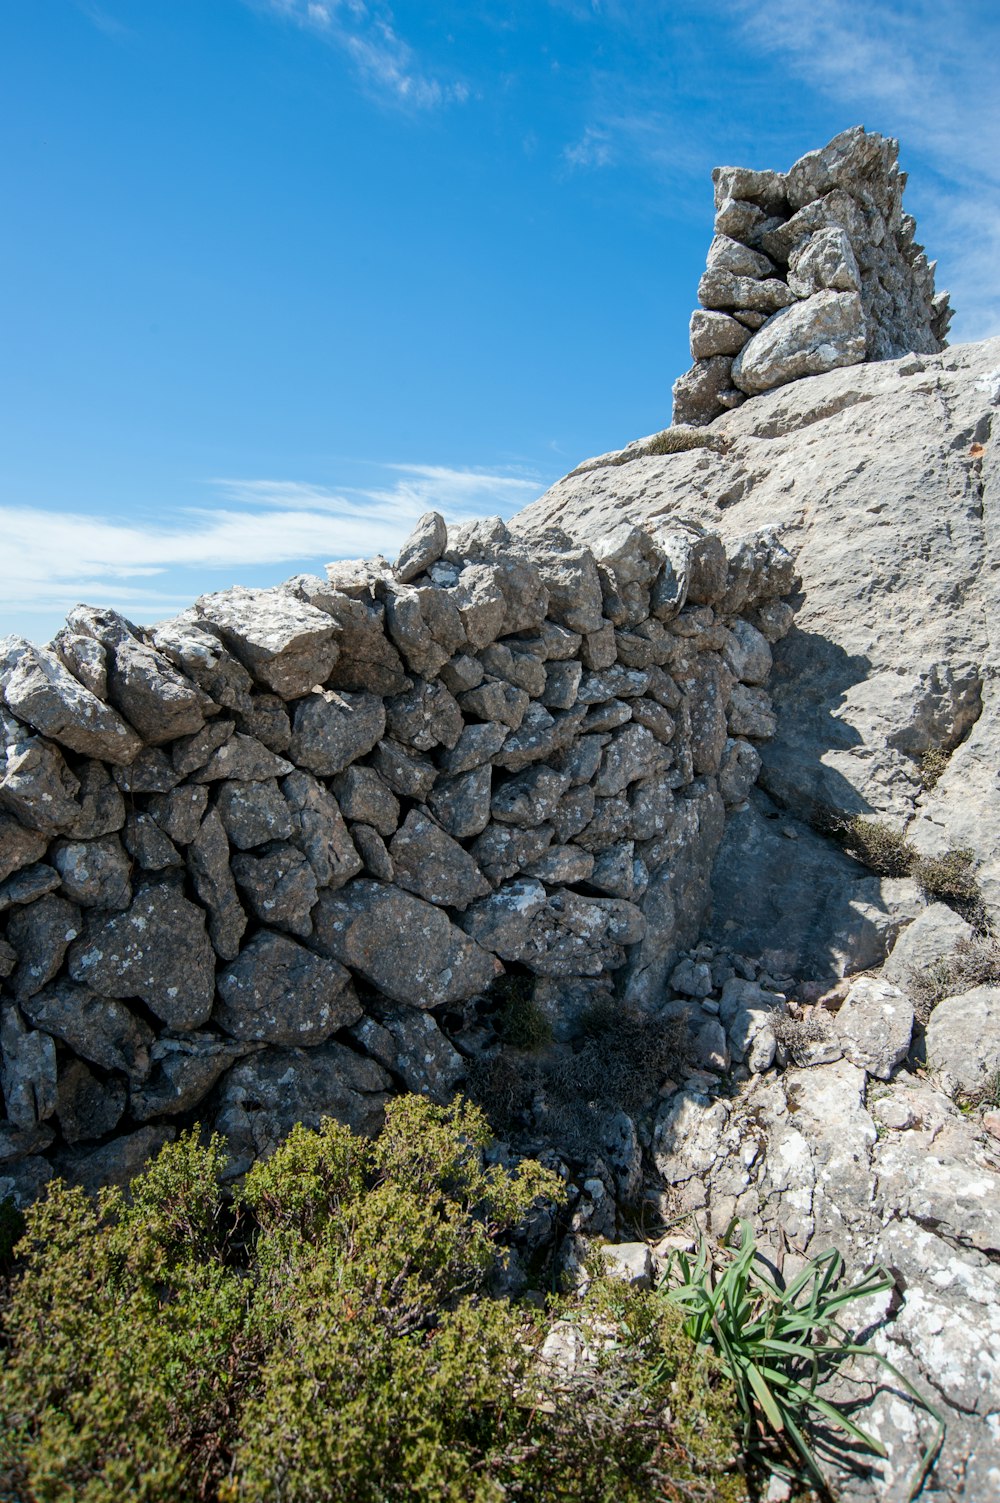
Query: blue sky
<point>277,276</point>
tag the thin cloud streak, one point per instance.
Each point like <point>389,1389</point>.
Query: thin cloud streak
<point>919,65</point>
<point>53,559</point>
<point>384,62</point>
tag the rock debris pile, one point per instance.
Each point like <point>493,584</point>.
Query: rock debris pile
<point>258,864</point>
<point>808,270</point>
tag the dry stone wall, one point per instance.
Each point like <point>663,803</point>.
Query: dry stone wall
<point>808,270</point>
<point>265,861</point>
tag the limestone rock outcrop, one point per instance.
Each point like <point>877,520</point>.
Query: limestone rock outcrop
<point>809,270</point>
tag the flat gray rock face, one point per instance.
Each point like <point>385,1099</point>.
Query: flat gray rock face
<point>279,992</point>
<point>157,951</point>
<point>407,948</point>
<point>96,1028</point>
<point>41,934</point>
<point>963,1040</point>
<point>860,690</point>
<point>933,936</point>
<point>824,332</point>
<point>36,686</point>
<point>286,644</point>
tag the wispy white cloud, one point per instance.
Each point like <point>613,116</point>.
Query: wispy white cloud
<point>383,60</point>
<point>52,559</point>
<point>923,70</point>
<point>594,148</point>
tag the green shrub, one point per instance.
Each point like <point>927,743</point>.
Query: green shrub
<point>951,877</point>
<point>331,1336</point>
<point>879,846</point>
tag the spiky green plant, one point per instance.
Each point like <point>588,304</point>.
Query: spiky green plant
<point>782,1346</point>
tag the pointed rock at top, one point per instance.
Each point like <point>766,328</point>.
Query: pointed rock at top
<point>423,547</point>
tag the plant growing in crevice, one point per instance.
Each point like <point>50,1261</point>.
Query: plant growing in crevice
<point>951,877</point>
<point>782,1345</point>
<point>933,766</point>
<point>881,848</point>
<point>975,961</point>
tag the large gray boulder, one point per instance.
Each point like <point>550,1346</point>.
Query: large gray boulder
<point>286,644</point>
<point>824,332</point>
<point>963,1040</point>
<point>279,992</point>
<point>407,948</point>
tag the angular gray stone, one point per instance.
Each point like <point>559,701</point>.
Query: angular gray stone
<point>561,864</point>
<point>208,863</point>
<point>19,847</point>
<point>183,1071</point>
<point>633,753</point>
<point>39,690</point>
<point>27,1070</point>
<point>410,633</point>
<point>614,871</point>
<point>159,702</point>
<point>530,798</point>
<point>179,813</point>
<point>715,334</point>
<point>262,1098</point>
<point>363,795</point>
<point>417,1051</point>
<point>748,653</point>
<point>96,1028</point>
<point>562,681</point>
<point>85,659</point>
<point>267,719</point>
<point>726,254</point>
<point>157,950</point>
<point>540,736</point>
<point>36,786</point>
<point>495,700</point>
<point>407,948</point>
<point>522,669</point>
<point>287,645</point>
<point>150,772</point>
<point>95,873</point>
<point>252,813</point>
<point>41,934</point>
<point>697,395</point>
<point>28,885</point>
<point>332,730</point>
<point>963,1040</point>
<point>825,260</point>
<point>242,757</point>
<point>461,804</point>
<point>723,290</point>
<point>424,717</point>
<point>629,1263</point>
<point>501,851</point>
<point>280,992</point>
<point>148,846</point>
<point>17,1143</point>
<point>738,771</point>
<point>477,745</point>
<point>433,865</point>
<point>197,652</point>
<point>192,752</point>
<point>874,1025</point>
<point>279,886</point>
<point>87,1107</point>
<point>102,808</point>
<point>319,831</point>
<point>822,333</point>
<point>408,774</point>
<point>751,713</point>
<point>375,857</point>
<point>564,934</point>
<point>423,547</point>
<point>570,576</point>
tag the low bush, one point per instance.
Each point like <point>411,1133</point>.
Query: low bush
<point>952,878</point>
<point>973,962</point>
<point>879,846</point>
<point>330,1335</point>
<point>933,766</point>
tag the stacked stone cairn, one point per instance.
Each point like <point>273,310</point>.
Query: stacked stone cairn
<point>264,862</point>
<point>808,270</point>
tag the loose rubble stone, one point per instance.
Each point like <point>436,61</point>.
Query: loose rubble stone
<point>96,1028</point>
<point>95,873</point>
<point>319,831</point>
<point>407,948</point>
<point>148,846</point>
<point>423,547</point>
<point>373,852</point>
<point>27,1070</point>
<point>242,757</point>
<point>461,804</point>
<point>253,813</point>
<point>363,795</point>
<point>19,847</point>
<point>279,992</point>
<point>875,1024</point>
<point>824,332</point>
<point>208,859</point>
<point>87,1107</point>
<point>154,698</point>
<point>157,950</point>
<point>36,786</point>
<point>183,1071</point>
<point>28,886</point>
